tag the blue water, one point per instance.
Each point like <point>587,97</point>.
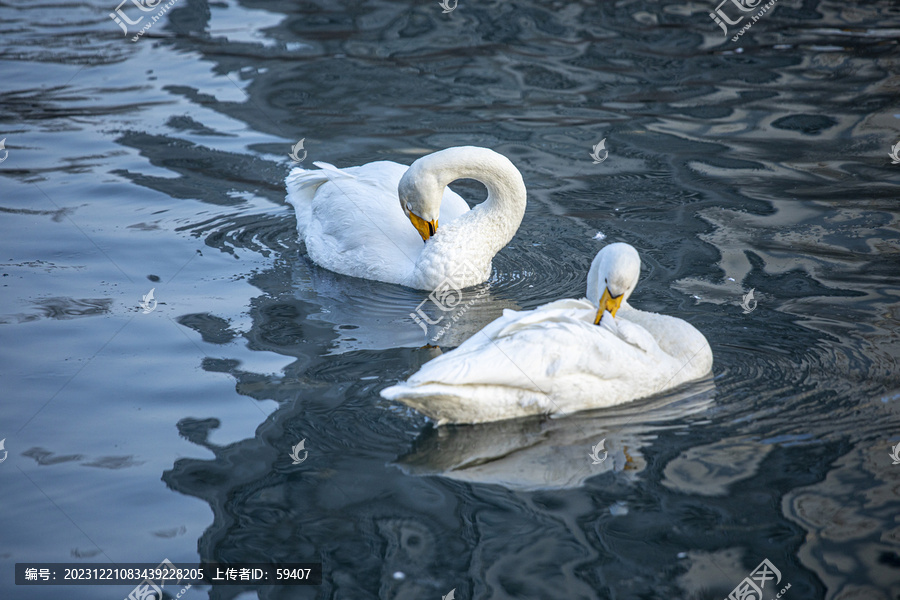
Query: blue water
<point>137,436</point>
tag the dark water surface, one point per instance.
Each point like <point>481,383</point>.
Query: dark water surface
<point>758,164</point>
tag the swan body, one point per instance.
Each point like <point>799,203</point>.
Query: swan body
<point>565,356</point>
<point>370,221</point>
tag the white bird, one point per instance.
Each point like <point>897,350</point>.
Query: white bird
<point>370,221</point>
<point>562,357</point>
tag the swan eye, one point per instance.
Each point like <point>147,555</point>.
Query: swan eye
<point>408,207</point>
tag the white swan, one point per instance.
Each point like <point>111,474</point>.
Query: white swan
<point>562,357</point>
<point>370,221</point>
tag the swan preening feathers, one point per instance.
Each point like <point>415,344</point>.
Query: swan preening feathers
<point>570,355</point>
<point>565,356</point>
<point>371,221</point>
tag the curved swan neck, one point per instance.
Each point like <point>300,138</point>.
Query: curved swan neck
<point>474,238</point>
<point>506,190</point>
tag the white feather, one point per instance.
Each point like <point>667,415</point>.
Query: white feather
<point>554,360</point>
<point>352,222</point>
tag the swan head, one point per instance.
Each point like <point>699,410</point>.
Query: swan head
<point>613,276</point>
<point>420,199</point>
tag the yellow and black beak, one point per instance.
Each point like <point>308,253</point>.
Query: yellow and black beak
<point>610,303</point>
<point>425,228</point>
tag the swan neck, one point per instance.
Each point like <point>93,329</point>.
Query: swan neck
<point>505,203</point>
<point>476,236</point>
<point>506,190</point>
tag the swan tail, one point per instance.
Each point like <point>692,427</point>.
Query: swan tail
<point>429,402</point>
<point>301,188</point>
<point>332,172</point>
<point>465,404</point>
<point>302,185</point>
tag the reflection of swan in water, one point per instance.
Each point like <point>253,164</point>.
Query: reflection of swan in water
<point>534,453</point>
<point>371,315</point>
<point>384,533</point>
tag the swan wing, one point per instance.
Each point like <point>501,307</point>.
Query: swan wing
<point>333,173</point>
<point>352,222</point>
<point>555,360</point>
<point>560,366</point>
<point>675,338</point>
<point>630,333</point>
<point>558,311</point>
<point>521,349</point>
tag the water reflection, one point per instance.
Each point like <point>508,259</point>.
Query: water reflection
<point>712,469</point>
<point>693,181</point>
<point>854,540</point>
<point>371,315</point>
<point>383,532</point>
<point>544,454</point>
<point>731,167</point>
